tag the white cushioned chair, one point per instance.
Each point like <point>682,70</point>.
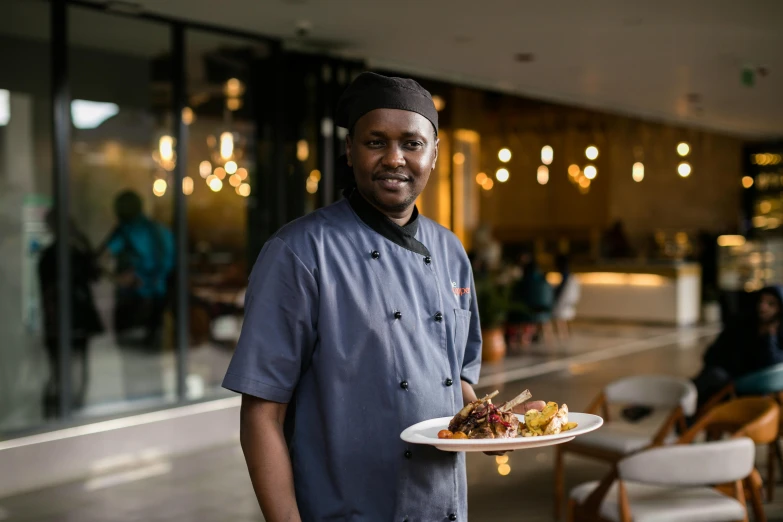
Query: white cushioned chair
<point>670,484</point>
<point>616,439</point>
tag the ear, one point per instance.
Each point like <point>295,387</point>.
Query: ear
<point>435,159</point>
<point>348,147</point>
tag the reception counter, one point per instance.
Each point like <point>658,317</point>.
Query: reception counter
<point>655,293</point>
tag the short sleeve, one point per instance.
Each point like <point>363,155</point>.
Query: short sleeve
<point>279,331</point>
<point>115,244</point>
<point>471,363</point>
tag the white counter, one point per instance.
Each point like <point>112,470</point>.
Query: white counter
<point>669,294</point>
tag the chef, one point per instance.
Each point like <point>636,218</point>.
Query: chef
<point>360,320</point>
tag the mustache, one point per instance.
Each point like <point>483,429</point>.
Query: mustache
<point>392,174</point>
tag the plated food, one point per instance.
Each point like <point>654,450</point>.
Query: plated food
<point>481,419</point>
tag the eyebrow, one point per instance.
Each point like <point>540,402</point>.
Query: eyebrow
<point>406,134</point>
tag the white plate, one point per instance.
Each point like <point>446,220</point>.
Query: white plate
<point>427,433</point>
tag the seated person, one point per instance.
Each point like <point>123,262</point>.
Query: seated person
<point>532,299</point>
<point>749,345</point>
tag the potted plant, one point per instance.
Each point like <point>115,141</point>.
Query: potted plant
<point>493,305</point>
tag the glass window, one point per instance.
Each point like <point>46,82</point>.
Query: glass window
<point>222,76</point>
<point>25,177</point>
<point>122,158</point>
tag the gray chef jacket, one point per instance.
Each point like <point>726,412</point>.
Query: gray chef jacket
<point>364,328</point>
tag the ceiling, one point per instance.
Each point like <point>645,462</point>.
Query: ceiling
<point>641,58</point>
<point>667,60</point>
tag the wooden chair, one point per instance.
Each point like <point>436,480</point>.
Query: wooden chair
<point>767,382</point>
<point>757,418</point>
<point>672,483</point>
<point>618,439</point>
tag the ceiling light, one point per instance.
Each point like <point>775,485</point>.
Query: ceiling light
<point>204,168</point>
<point>638,171</point>
<point>683,149</point>
<point>187,185</point>
<point>439,103</point>
<point>684,169</point>
<point>502,175</point>
<point>574,170</point>
<point>481,178</point>
<point>591,152</point>
<point>542,176</point>
<point>547,154</point>
<point>591,172</point>
<point>488,184</point>
<point>747,182</point>
<point>215,184</point>
<point>504,155</point>
<point>88,114</point>
<point>159,187</point>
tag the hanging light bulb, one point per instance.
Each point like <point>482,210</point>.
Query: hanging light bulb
<point>591,152</point>
<point>159,187</point>
<point>591,172</point>
<point>502,175</point>
<point>226,145</point>
<point>683,149</point>
<point>231,167</point>
<point>205,169</point>
<point>684,169</point>
<point>187,185</point>
<point>215,184</point>
<point>547,154</point>
<point>638,171</point>
<point>504,155</point>
<point>166,148</point>
<point>542,176</point>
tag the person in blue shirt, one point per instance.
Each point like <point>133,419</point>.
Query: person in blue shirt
<point>144,253</point>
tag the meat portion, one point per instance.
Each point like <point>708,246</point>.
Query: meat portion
<point>483,420</point>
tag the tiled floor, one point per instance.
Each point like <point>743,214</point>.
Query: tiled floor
<point>213,485</point>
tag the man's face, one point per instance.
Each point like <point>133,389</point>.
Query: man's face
<point>769,307</point>
<point>392,153</point>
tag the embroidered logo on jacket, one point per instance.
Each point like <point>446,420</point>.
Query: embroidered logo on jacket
<point>459,291</point>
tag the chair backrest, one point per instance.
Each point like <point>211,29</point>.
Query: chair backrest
<point>754,417</point>
<point>654,390</point>
<point>764,382</point>
<point>704,464</point>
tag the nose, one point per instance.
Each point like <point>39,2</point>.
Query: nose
<point>393,158</point>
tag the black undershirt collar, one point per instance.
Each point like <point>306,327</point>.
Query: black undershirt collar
<point>403,236</point>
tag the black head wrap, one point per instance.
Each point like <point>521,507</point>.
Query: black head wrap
<point>370,91</point>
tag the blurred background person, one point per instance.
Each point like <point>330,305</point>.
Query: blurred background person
<point>566,296</point>
<point>532,299</point>
<point>745,346</point>
<point>85,320</point>
<point>143,251</point>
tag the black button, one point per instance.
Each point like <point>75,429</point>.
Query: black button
<point>439,317</point>
<point>404,385</point>
<point>452,517</point>
<point>375,254</point>
<point>428,260</point>
<point>408,454</point>
<point>398,315</point>
<point>449,382</point>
